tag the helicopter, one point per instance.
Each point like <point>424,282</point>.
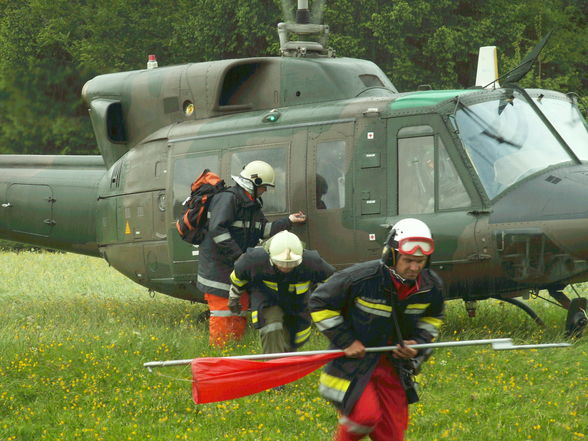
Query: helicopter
<point>498,172</point>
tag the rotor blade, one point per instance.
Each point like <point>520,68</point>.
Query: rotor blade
<point>515,75</point>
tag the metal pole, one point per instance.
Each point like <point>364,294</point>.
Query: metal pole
<point>497,344</point>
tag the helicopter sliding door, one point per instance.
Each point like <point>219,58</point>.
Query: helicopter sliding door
<point>187,162</point>
<point>329,193</point>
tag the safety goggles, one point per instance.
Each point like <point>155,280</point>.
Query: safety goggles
<point>412,245</point>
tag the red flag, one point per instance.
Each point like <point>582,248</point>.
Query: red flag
<point>219,379</point>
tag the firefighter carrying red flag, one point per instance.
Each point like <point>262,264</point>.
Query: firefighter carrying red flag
<point>394,300</point>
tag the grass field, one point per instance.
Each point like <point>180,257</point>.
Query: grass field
<point>74,335</point>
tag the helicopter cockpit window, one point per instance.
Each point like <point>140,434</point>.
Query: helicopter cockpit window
<point>416,175</point>
<point>506,141</point>
<point>186,170</point>
<point>330,175</point>
<point>274,200</point>
<point>568,121</point>
<point>452,192</point>
<point>418,167</point>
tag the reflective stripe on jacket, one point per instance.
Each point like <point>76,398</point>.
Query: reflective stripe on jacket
<point>356,304</point>
<point>235,223</point>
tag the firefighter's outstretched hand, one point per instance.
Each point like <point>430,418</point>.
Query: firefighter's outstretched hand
<point>355,350</point>
<point>405,351</point>
<point>297,218</point>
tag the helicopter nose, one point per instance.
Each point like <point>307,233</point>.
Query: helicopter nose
<point>554,203</point>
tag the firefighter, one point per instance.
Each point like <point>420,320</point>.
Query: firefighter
<point>279,278</point>
<point>396,300</point>
<point>235,223</point>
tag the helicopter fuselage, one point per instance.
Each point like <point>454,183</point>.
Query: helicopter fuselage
<point>348,150</point>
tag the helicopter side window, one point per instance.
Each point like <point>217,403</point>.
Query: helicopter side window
<point>186,170</point>
<point>417,170</point>
<point>416,175</point>
<point>275,199</point>
<point>330,175</point>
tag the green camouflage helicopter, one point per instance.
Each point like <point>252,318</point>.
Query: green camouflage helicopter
<point>499,173</point>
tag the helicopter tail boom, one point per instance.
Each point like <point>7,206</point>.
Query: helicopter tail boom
<point>50,201</point>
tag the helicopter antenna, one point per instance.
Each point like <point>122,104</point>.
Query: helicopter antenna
<point>303,27</point>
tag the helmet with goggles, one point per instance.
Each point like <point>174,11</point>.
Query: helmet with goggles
<point>410,237</point>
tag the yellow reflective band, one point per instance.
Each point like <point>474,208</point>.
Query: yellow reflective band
<point>237,281</point>
<point>378,306</point>
<point>432,321</point>
<point>271,285</point>
<point>254,317</point>
<point>301,288</point>
<point>418,306</point>
<point>302,335</point>
<point>340,384</point>
<point>324,314</point>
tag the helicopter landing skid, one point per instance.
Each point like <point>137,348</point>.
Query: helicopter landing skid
<point>525,308</point>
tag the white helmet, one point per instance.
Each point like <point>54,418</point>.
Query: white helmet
<point>259,173</point>
<point>411,236</point>
<point>285,250</point>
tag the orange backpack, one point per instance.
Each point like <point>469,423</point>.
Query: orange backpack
<point>193,223</point>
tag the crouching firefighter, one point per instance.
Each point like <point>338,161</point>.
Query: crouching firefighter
<point>393,301</point>
<point>235,222</point>
<point>279,278</point>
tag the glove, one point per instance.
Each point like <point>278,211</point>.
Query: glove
<point>235,299</point>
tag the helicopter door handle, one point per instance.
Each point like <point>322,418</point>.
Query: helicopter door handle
<point>7,205</point>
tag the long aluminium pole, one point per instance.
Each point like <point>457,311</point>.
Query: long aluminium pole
<point>497,344</point>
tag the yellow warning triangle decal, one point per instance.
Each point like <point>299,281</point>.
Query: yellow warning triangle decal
<point>127,228</point>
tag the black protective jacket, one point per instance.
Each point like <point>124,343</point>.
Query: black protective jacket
<point>235,223</point>
<point>268,286</point>
<point>357,304</point>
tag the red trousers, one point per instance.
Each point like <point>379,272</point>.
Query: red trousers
<point>223,324</point>
<point>381,412</point>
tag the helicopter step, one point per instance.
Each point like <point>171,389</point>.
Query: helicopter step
<point>576,319</point>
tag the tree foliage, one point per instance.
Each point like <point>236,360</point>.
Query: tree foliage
<point>49,49</point>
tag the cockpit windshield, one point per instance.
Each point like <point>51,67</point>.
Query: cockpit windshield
<point>565,116</point>
<point>506,140</point>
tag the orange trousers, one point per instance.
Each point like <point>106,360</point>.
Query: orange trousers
<point>223,325</point>
<point>381,412</point>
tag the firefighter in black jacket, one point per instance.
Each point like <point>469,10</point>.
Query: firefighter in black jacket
<point>235,223</point>
<point>279,278</point>
<point>395,300</point>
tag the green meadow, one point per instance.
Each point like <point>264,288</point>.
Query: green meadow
<point>74,335</point>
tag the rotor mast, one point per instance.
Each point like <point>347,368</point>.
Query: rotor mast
<point>303,28</point>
